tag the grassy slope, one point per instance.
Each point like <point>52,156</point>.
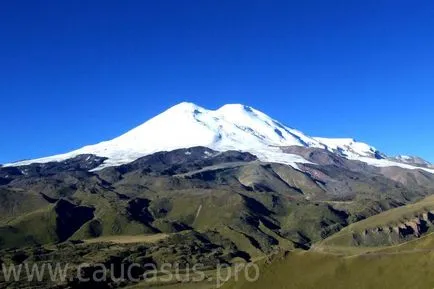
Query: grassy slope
<point>314,270</point>
<point>33,228</point>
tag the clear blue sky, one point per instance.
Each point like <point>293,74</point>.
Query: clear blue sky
<point>78,72</point>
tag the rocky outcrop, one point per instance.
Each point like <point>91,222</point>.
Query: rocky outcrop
<point>406,230</point>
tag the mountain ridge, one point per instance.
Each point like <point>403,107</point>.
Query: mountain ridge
<point>230,127</point>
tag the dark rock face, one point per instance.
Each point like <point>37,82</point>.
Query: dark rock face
<point>78,163</point>
<point>325,158</point>
<point>139,211</point>
<point>4,181</point>
<point>184,160</point>
<point>25,175</point>
<point>70,218</point>
<point>7,174</point>
<point>10,172</point>
<point>379,155</point>
<point>95,228</point>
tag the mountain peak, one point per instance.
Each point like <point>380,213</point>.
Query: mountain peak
<point>185,106</point>
<point>235,107</point>
<point>227,109</point>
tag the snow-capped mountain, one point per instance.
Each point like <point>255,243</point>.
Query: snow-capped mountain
<point>231,127</point>
<point>412,160</point>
